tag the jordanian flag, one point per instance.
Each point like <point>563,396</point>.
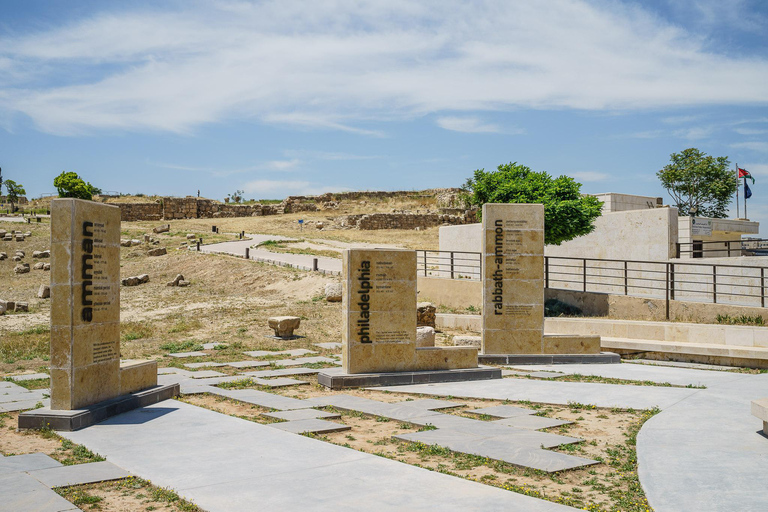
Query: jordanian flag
<point>743,173</point>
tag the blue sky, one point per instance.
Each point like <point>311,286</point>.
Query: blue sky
<point>286,97</point>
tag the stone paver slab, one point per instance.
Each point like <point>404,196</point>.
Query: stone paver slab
<point>211,346</point>
<point>329,346</point>
<point>206,374</point>
<point>23,405</point>
<point>499,449</point>
<point>219,475</point>
<point>293,352</point>
<point>264,399</point>
<point>282,372</point>
<point>27,462</point>
<point>247,364</point>
<point>204,364</point>
<point>433,404</point>
<point>301,414</point>
<point>29,376</point>
<point>279,382</point>
<point>304,360</point>
<point>79,474</point>
<point>20,492</point>
<point>311,426</point>
<point>503,411</point>
<point>532,422</point>
<point>188,354</point>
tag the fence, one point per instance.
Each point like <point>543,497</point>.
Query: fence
<point>695,282</point>
<point>725,248</point>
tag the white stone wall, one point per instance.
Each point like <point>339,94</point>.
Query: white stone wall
<point>613,202</point>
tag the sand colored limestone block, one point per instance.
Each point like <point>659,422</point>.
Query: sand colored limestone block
<point>425,337</point>
<point>284,325</point>
<point>136,375</point>
<point>85,303</point>
<point>379,331</point>
<point>571,344</point>
<point>513,278</point>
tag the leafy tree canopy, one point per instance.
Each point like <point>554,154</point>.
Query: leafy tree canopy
<point>567,213</point>
<point>698,183</point>
<point>69,184</point>
<point>15,190</point>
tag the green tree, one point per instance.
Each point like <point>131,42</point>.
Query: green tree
<point>567,213</point>
<point>15,190</point>
<point>69,184</point>
<point>699,184</point>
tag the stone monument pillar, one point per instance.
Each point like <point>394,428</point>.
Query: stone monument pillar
<point>85,303</point>
<point>513,278</point>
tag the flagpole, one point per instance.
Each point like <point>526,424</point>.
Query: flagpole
<point>737,191</point>
<point>745,198</point>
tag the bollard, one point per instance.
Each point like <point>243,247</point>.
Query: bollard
<point>39,219</point>
<point>247,253</point>
<point>198,246</point>
<point>217,231</point>
<point>201,240</point>
<point>213,229</point>
<point>314,264</point>
<point>242,234</point>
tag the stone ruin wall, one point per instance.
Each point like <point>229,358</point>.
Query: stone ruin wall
<point>404,220</point>
<point>171,208</point>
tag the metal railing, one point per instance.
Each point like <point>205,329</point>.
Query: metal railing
<point>684,281</point>
<point>724,248</point>
<point>448,264</point>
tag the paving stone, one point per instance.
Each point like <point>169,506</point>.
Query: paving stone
<point>293,352</point>
<point>23,405</point>
<point>206,374</point>
<point>264,399</point>
<point>27,462</point>
<point>79,474</point>
<point>499,448</point>
<point>247,364</point>
<point>301,414</point>
<point>398,411</point>
<point>532,422</point>
<point>328,346</point>
<point>303,360</point>
<point>509,373</point>
<point>205,364</point>
<point>29,376</point>
<point>280,382</point>
<point>211,346</point>
<point>503,411</point>
<point>188,354</point>
<point>282,372</point>
<point>169,371</point>
<point>547,375</point>
<point>21,492</point>
<point>433,404</point>
<point>313,426</point>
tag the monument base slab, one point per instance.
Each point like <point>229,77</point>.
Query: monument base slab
<point>601,358</point>
<point>70,420</point>
<point>336,378</point>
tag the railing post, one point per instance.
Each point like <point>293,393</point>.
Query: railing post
<point>714,284</point>
<point>672,281</point>
<point>314,264</point>
<point>677,251</point>
<point>762,287</point>
<point>546,271</point>
<point>626,279</point>
<point>451,264</point>
<point>667,293</point>
<point>247,253</point>
<point>425,263</point>
<point>584,275</point>
<point>728,244</point>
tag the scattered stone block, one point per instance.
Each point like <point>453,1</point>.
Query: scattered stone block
<point>467,341</point>
<point>39,266</point>
<point>9,304</point>
<point>44,291</point>
<point>284,325</point>
<point>425,336</point>
<point>147,239</point>
<point>143,278</point>
<point>22,268</point>
<point>158,251</point>
<point>183,283</point>
<point>3,308</point>
<point>3,256</point>
<point>19,237</point>
<point>333,292</point>
<point>179,278</point>
<point>16,258</point>
<point>46,266</point>
<point>125,243</point>
<point>191,236</point>
<point>760,410</point>
<point>36,254</point>
<point>21,307</point>
<point>162,229</point>
<point>27,234</point>
<point>425,314</point>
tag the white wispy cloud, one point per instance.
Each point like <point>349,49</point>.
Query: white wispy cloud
<point>328,65</point>
<point>271,165</point>
<point>760,146</point>
<point>466,125</point>
<point>283,188</point>
<point>750,131</point>
<point>695,132</point>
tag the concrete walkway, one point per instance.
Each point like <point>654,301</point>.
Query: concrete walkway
<point>703,452</point>
<point>300,261</point>
<point>223,463</point>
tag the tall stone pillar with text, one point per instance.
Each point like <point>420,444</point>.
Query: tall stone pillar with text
<point>513,278</point>
<point>85,303</point>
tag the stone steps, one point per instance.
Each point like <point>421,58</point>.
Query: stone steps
<point>712,353</point>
